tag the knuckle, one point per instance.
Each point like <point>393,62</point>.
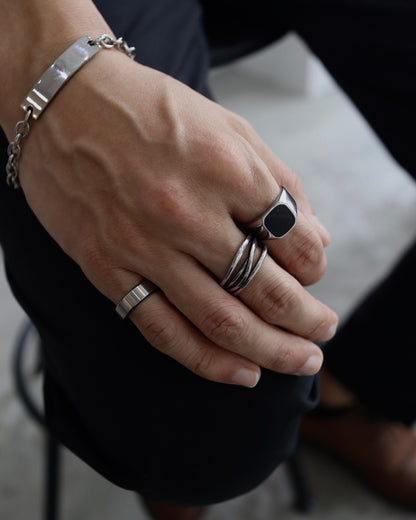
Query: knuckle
<point>202,362</point>
<point>279,300</point>
<point>92,258</point>
<point>168,199</point>
<point>161,334</point>
<point>224,326</point>
<point>241,125</point>
<point>310,252</point>
<point>283,361</point>
<point>309,263</point>
<point>172,203</point>
<point>228,154</point>
<point>242,173</point>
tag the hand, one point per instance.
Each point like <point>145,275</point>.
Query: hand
<point>136,175</point>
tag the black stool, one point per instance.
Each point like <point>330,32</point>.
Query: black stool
<point>27,339</point>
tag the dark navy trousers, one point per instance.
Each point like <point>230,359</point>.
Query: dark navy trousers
<point>138,417</point>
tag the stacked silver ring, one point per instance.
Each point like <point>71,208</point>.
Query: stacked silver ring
<point>244,267</point>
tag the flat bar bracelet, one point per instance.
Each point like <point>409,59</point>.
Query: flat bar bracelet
<point>55,77</point>
<point>49,84</point>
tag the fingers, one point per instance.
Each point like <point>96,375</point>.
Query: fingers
<point>169,331</point>
<point>230,324</point>
<point>256,184</point>
<point>280,300</point>
<point>273,294</point>
<point>219,337</point>
<point>216,335</point>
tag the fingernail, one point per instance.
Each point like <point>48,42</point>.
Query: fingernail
<point>330,333</point>
<point>312,366</point>
<point>246,377</point>
<point>315,220</point>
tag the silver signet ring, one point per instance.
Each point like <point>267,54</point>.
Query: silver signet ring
<point>279,219</point>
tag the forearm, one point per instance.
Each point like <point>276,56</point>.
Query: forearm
<point>34,34</point>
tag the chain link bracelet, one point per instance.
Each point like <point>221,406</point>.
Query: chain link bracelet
<point>51,81</point>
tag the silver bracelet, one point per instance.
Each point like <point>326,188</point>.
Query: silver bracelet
<point>51,81</point>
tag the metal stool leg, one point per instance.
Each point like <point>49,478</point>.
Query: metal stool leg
<point>52,478</point>
<point>52,447</point>
<point>304,500</point>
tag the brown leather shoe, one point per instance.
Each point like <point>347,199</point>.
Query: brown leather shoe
<point>382,453</point>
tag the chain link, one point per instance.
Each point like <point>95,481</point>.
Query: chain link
<point>108,42</point>
<point>22,128</point>
<point>14,150</point>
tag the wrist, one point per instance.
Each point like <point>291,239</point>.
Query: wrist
<point>48,28</point>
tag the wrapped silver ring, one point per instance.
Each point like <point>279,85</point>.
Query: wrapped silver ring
<point>134,297</point>
<point>278,220</point>
<point>243,268</point>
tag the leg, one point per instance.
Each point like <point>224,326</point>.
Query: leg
<point>382,327</point>
<point>136,416</point>
<point>369,48</point>
<point>374,438</point>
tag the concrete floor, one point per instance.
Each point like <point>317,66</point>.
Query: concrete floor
<point>339,159</point>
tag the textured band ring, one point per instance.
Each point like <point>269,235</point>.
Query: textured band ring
<point>279,219</point>
<point>243,268</point>
<point>134,297</point>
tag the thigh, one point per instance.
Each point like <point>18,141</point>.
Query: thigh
<point>234,28</point>
<point>369,47</point>
<point>135,415</point>
<point>166,33</point>
<point>374,352</point>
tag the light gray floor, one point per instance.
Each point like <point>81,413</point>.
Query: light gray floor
<point>369,205</point>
